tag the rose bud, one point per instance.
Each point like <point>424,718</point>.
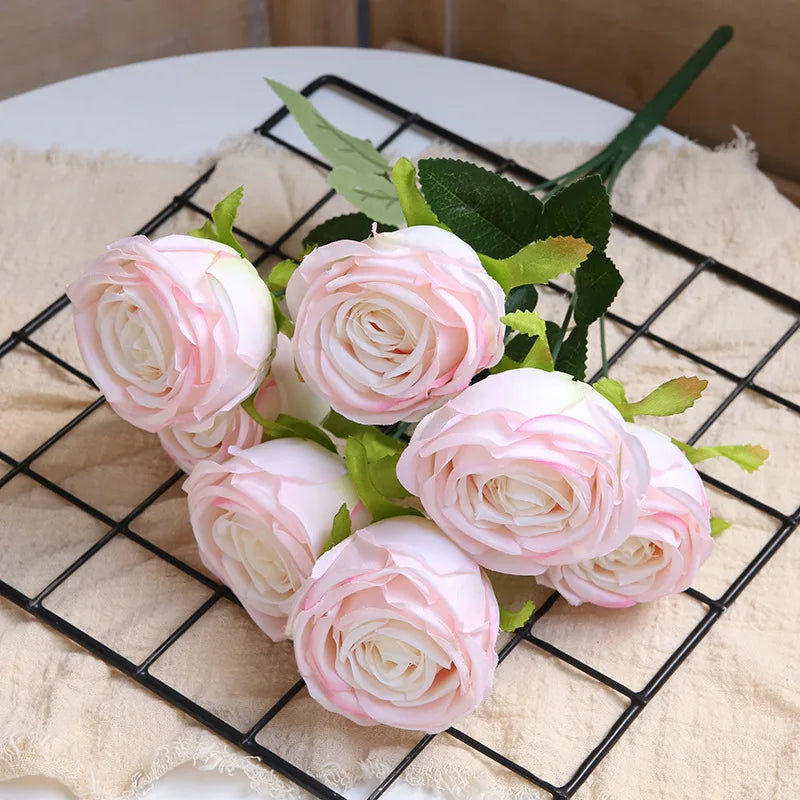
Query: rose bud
<point>262,518</point>
<point>670,540</point>
<point>282,392</point>
<point>527,469</point>
<point>173,331</point>
<point>397,626</point>
<point>389,328</point>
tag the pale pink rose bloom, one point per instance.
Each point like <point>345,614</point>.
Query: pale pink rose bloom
<point>173,331</point>
<point>670,541</point>
<point>397,626</point>
<point>282,392</point>
<point>262,518</point>
<point>389,328</point>
<point>527,469</point>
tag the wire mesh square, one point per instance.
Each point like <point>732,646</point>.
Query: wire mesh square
<point>138,537</point>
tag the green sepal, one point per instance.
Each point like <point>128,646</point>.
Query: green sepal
<point>748,456</point>
<point>286,426</point>
<point>383,474</point>
<point>342,527</point>
<point>415,208</point>
<point>672,397</point>
<point>538,262</point>
<point>491,213</point>
<point>220,227</point>
<point>718,526</point>
<point>531,324</point>
<point>614,392</point>
<point>358,469</point>
<point>279,276</point>
<point>356,227</point>
<point>282,322</point>
<point>511,621</point>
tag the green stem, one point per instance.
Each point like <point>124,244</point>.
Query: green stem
<point>603,351</point>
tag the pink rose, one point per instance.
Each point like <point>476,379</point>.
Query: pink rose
<point>527,469</point>
<point>282,392</point>
<point>670,541</point>
<point>389,328</point>
<point>173,331</point>
<point>262,518</point>
<point>397,626</point>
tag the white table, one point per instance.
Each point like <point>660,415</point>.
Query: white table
<point>159,110</point>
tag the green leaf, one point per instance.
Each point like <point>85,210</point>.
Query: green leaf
<point>287,427</point>
<point>279,275</point>
<point>614,392</point>
<point>597,283</point>
<point>283,323</point>
<point>511,621</point>
<point>415,209</point>
<point>341,426</point>
<point>748,456</point>
<point>554,333</point>
<point>530,323</point>
<point>375,195</point>
<point>581,209</point>
<point>358,469</point>
<point>672,397</point>
<point>538,262</point>
<point>383,474</point>
<point>220,227</point>
<point>356,227</point>
<point>572,355</point>
<point>492,214</point>
<point>342,527</point>
<point>341,149</point>
<point>522,298</point>
<point>718,526</point>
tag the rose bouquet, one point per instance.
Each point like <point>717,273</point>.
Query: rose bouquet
<point>374,425</point>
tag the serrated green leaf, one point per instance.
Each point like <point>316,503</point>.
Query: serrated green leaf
<point>597,283</point>
<point>581,209</point>
<point>358,469</point>
<point>342,527</point>
<point>672,397</point>
<point>748,456</point>
<point>718,526</point>
<point>375,195</point>
<point>279,275</point>
<point>341,149</point>
<point>356,226</point>
<point>511,621</point>
<point>572,354</point>
<point>614,392</point>
<point>554,334</point>
<point>492,214</point>
<point>538,262</point>
<point>282,322</point>
<point>220,227</point>
<point>287,427</point>
<point>415,209</point>
<point>530,323</point>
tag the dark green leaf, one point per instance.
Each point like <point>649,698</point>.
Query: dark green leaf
<point>342,527</point>
<point>581,209</point>
<point>554,334</point>
<point>572,356</point>
<point>487,211</point>
<point>279,275</point>
<point>522,298</point>
<point>519,346</point>
<point>597,283</point>
<point>355,226</point>
<point>511,621</point>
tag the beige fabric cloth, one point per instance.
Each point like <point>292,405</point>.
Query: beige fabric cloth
<point>725,726</point>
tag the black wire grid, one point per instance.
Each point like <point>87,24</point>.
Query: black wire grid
<point>636,700</point>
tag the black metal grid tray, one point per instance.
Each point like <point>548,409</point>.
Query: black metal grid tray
<point>636,700</point>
